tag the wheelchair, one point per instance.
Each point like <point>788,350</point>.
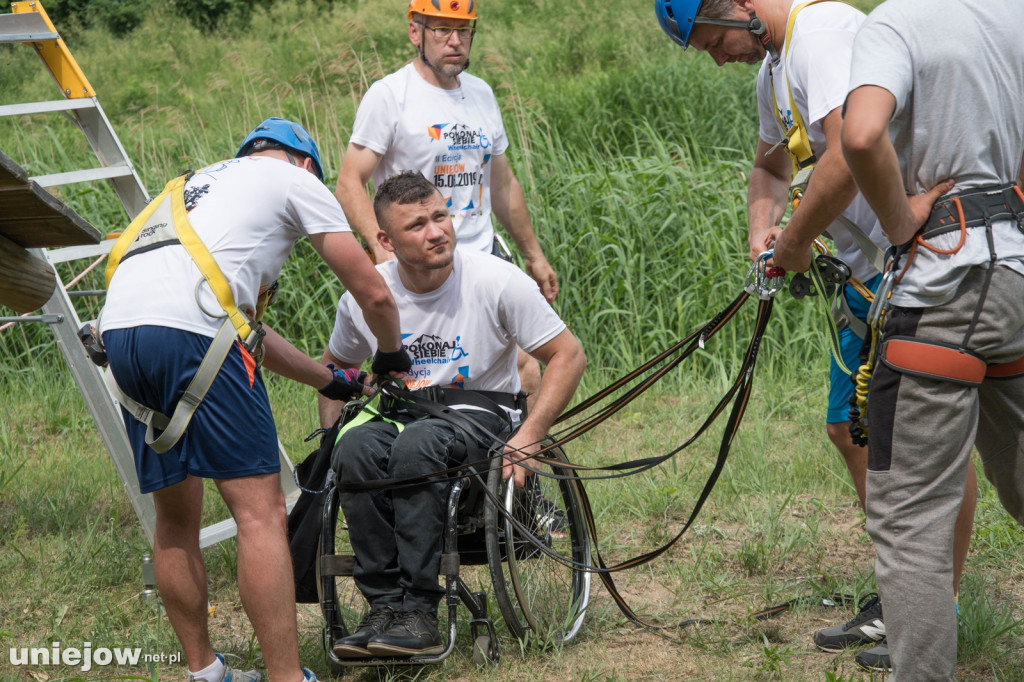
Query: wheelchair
<point>542,600</point>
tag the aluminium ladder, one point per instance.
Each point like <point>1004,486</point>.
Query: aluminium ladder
<point>30,25</point>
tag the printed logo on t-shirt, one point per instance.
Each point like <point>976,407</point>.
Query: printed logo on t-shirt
<point>787,118</point>
<point>456,168</point>
<point>428,350</point>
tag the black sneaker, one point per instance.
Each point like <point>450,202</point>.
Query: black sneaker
<point>411,633</point>
<point>875,659</point>
<point>864,628</point>
<point>372,624</point>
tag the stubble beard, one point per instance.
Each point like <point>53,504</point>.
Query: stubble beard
<point>444,70</point>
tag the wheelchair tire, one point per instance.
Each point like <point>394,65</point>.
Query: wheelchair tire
<point>542,600</point>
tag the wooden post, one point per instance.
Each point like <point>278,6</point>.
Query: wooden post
<point>26,280</point>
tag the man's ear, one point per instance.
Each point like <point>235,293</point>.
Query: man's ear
<point>385,241</point>
<point>415,34</point>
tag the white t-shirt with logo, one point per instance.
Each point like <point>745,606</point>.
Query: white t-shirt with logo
<point>449,136</point>
<point>816,65</point>
<point>249,212</point>
<point>465,332</point>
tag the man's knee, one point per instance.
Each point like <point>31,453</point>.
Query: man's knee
<point>358,458</point>
<point>423,451</point>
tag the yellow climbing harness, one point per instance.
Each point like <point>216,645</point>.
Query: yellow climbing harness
<point>163,222</point>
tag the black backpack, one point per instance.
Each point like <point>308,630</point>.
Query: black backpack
<point>306,517</point>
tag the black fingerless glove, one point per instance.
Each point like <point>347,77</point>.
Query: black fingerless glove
<point>395,361</point>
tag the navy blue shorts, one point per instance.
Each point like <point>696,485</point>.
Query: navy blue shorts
<point>232,433</point>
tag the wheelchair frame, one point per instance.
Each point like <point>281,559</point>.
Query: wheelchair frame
<point>522,578</point>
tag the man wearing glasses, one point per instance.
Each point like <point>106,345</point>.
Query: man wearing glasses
<point>433,117</point>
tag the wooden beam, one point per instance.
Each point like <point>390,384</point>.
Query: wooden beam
<point>26,280</point>
<point>33,218</point>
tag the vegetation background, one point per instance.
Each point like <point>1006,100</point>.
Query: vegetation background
<point>634,158</point>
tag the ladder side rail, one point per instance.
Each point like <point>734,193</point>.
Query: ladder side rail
<point>110,152</point>
<point>105,412</point>
<point>84,110</point>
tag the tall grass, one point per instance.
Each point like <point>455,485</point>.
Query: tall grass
<point>633,154</point>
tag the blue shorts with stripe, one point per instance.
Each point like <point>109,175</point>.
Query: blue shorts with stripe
<point>232,433</point>
<point>840,384</point>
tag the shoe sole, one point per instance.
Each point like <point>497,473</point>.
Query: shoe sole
<point>873,668</point>
<point>350,651</point>
<point>828,648</point>
<point>393,650</point>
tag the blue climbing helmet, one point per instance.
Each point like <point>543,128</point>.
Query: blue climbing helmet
<point>677,18</point>
<point>288,134</point>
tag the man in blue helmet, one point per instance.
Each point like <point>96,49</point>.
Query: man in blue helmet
<point>804,50</point>
<point>208,250</point>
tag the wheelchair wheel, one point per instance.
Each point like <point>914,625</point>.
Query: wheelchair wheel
<point>341,602</point>
<point>541,598</point>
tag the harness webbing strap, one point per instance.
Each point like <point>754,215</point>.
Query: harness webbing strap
<point>932,360</point>
<point>173,427</point>
<point>172,201</point>
<point>796,142</point>
<point>1006,370</point>
<point>169,208</point>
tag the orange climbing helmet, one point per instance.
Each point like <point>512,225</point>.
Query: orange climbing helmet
<point>447,9</point>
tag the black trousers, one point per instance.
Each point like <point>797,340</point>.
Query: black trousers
<point>396,534</point>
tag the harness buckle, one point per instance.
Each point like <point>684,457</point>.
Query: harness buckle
<point>254,342</point>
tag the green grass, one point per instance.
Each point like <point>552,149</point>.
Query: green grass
<point>633,156</point>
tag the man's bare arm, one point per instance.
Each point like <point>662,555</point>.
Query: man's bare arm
<point>829,192</point>
<point>875,166</point>
<point>565,361</point>
<point>767,193</point>
<point>509,205</point>
<point>356,169</point>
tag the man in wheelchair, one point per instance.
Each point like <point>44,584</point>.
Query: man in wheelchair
<point>463,315</point>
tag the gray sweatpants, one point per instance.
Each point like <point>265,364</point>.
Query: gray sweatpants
<point>921,434</point>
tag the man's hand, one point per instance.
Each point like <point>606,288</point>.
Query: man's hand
<point>345,385</point>
<point>789,255</point>
<point>762,240</point>
<point>519,447</point>
<point>544,275</point>
<point>921,207</point>
<point>393,364</point>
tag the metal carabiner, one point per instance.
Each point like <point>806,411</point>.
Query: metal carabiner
<point>762,280</point>
<point>880,303</point>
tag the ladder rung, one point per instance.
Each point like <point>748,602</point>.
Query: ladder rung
<point>46,107</point>
<point>71,177</point>
<point>24,28</point>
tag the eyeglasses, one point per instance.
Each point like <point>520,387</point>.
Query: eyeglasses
<point>443,33</point>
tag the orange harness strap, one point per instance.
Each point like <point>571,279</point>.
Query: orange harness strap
<point>1006,369</point>
<point>933,360</point>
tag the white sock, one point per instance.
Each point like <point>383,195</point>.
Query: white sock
<point>212,672</point>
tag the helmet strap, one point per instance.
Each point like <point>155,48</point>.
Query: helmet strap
<point>760,31</point>
<point>756,27</point>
